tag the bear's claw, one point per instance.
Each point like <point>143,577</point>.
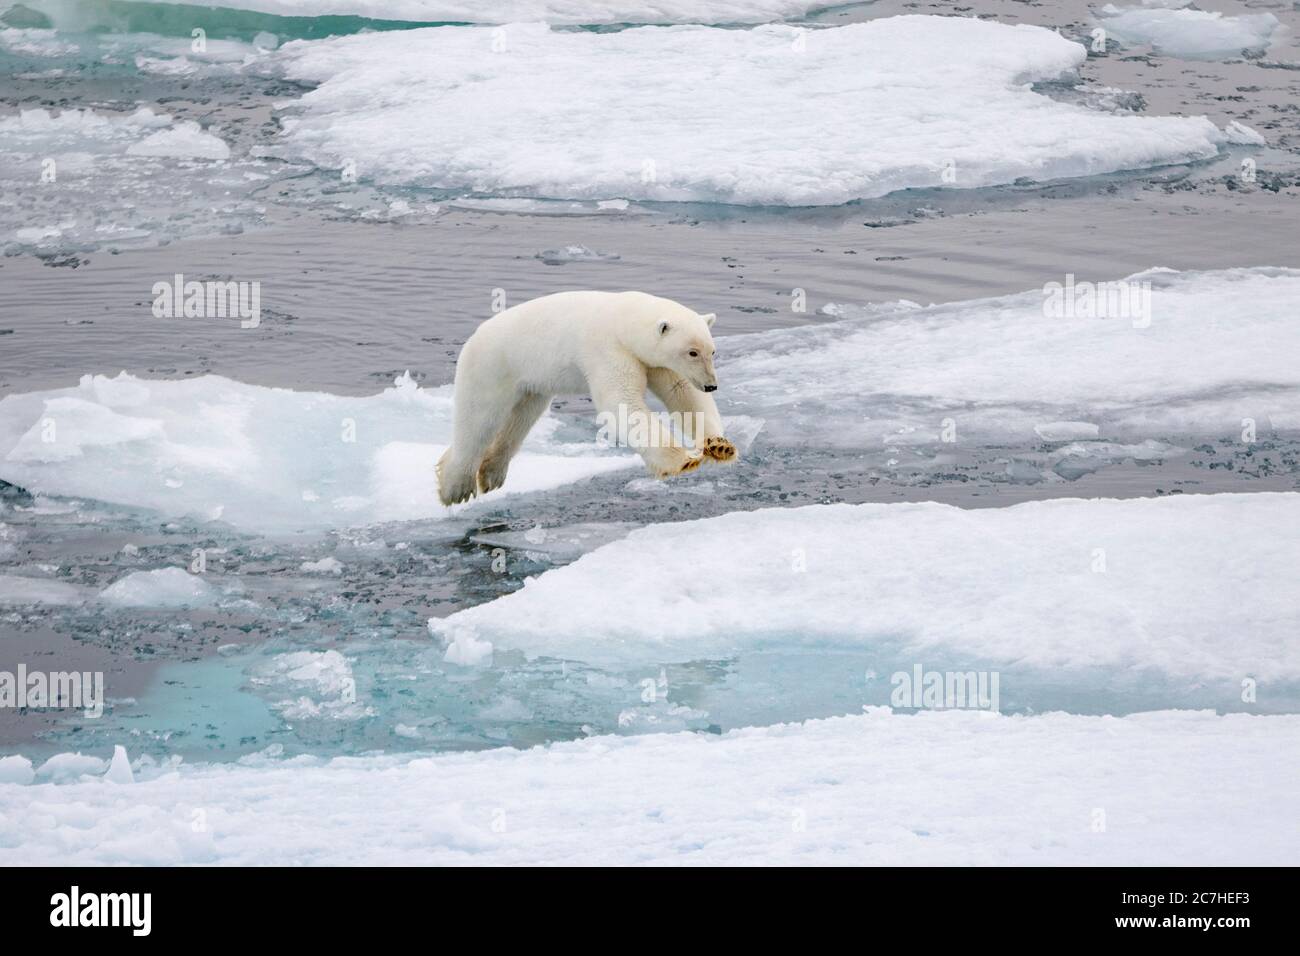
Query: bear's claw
<point>719,449</point>
<point>691,464</point>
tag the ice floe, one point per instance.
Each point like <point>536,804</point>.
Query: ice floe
<point>570,12</point>
<point>1065,583</point>
<point>269,459</point>
<point>74,180</point>
<point>713,115</point>
<point>1200,353</point>
<point>998,790</point>
<point>1188,34</point>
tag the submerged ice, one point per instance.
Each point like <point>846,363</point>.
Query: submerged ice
<point>704,114</point>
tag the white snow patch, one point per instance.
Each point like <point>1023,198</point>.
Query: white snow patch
<point>700,113</point>
<point>998,790</point>
<point>1009,585</point>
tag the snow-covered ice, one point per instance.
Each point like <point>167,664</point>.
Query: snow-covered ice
<point>708,114</point>
<point>1188,34</point>
<point>570,12</point>
<point>1192,587</point>
<point>1195,364</point>
<point>951,788</point>
<point>268,459</point>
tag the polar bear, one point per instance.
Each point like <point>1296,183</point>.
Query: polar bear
<point>611,344</point>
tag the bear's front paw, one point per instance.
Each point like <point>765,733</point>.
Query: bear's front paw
<point>719,449</point>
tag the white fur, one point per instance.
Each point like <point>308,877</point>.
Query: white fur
<point>613,345</point>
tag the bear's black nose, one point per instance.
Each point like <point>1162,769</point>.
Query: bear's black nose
<point>710,388</point>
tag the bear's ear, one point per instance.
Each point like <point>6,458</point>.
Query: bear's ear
<point>663,328</point>
<point>709,319</point>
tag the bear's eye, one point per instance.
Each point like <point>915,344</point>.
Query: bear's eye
<point>693,353</point>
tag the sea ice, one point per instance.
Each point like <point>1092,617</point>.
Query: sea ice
<point>998,790</point>
<point>1188,34</point>
<point>16,769</point>
<point>1000,368</point>
<point>183,141</point>
<point>1064,583</point>
<point>269,459</point>
<point>19,589</point>
<point>72,180</point>
<point>705,114</point>
<point>165,587</point>
<point>563,12</point>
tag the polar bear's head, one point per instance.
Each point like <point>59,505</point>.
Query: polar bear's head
<point>669,335</point>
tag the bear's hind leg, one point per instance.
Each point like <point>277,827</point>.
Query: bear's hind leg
<point>480,412</point>
<point>492,469</point>
<point>455,481</point>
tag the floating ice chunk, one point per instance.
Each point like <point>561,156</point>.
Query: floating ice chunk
<point>560,543</point>
<point>997,368</point>
<point>558,257</point>
<point>1189,34</point>
<point>186,140</point>
<point>891,104</point>
<point>119,771</point>
<point>68,767</point>
<point>326,565</point>
<point>1061,583</point>
<point>1066,431</point>
<point>998,790</point>
<point>326,674</point>
<point>17,589</point>
<point>467,650</point>
<point>165,587</point>
<point>1240,134</point>
<point>16,769</point>
<point>211,446</point>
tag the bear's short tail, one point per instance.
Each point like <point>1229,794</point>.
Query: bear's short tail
<point>454,484</point>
